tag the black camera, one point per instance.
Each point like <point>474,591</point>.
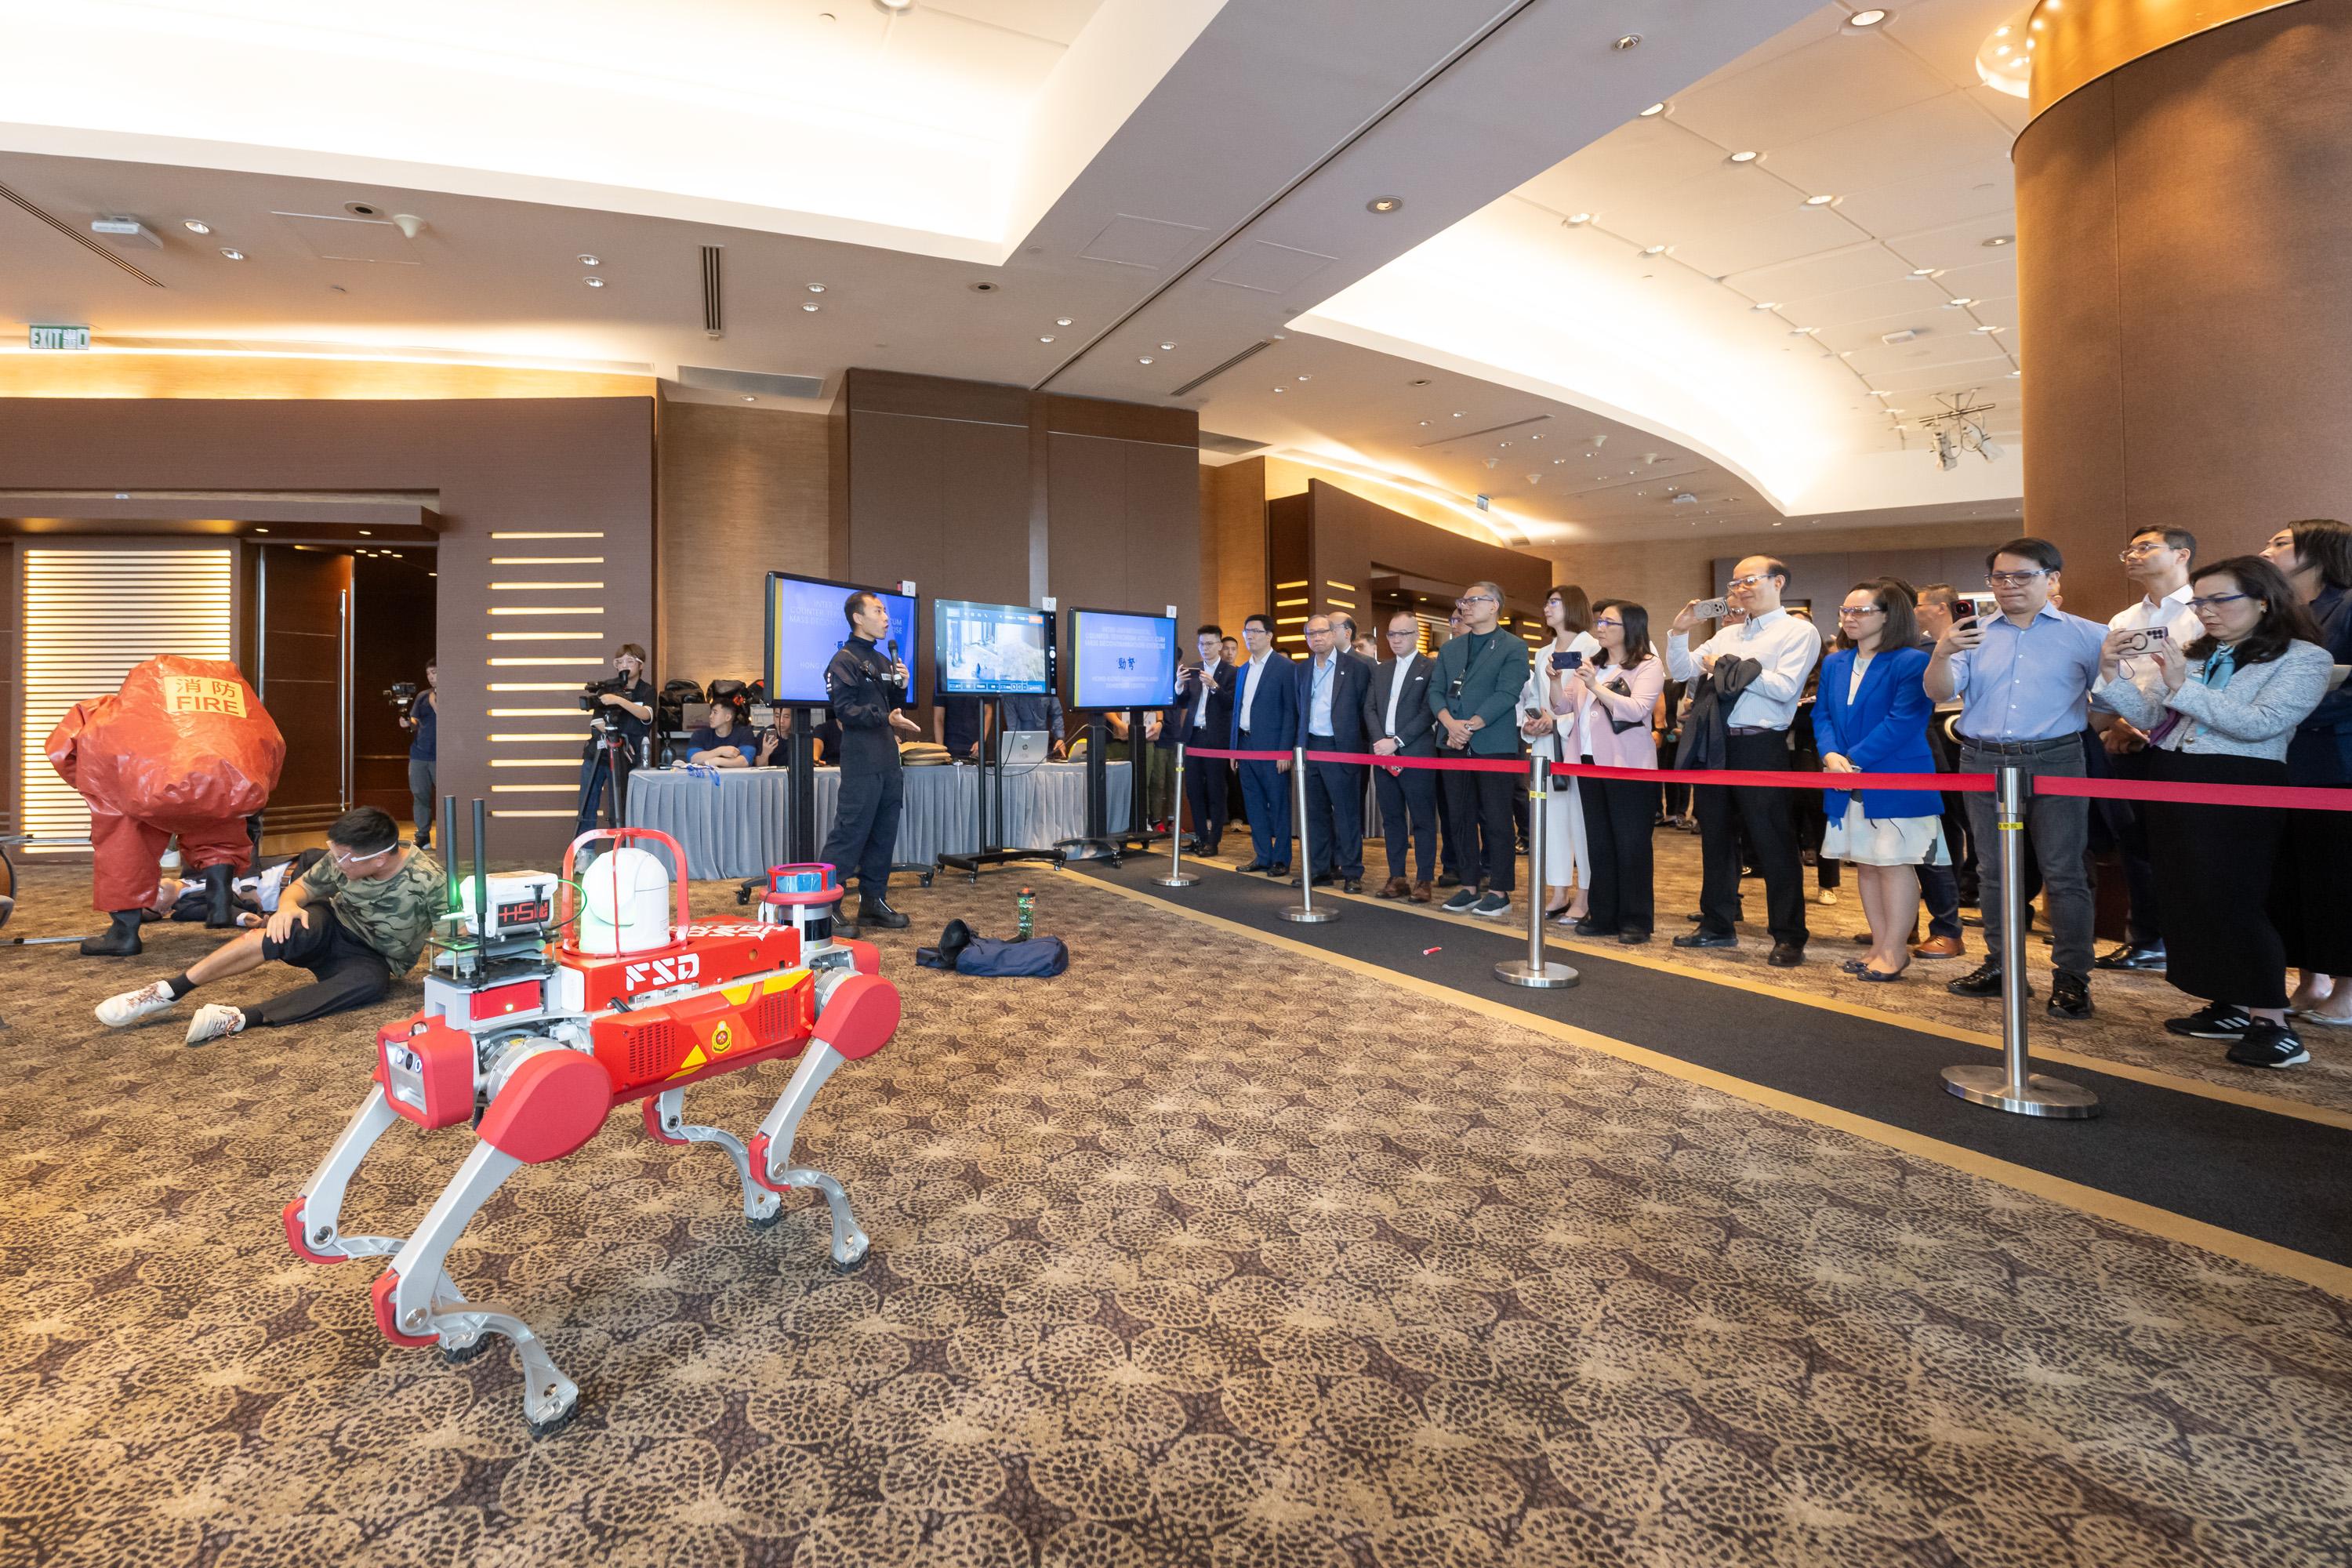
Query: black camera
<point>591,695</point>
<point>401,694</point>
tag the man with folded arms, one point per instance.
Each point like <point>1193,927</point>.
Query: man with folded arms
<point>1474,699</point>
<point>1397,717</point>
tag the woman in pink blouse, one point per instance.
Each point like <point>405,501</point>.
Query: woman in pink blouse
<point>1617,697</point>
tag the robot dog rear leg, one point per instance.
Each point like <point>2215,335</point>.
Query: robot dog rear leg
<point>314,1218</point>
<point>772,1147</point>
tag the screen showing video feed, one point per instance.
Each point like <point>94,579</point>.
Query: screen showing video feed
<point>806,628</point>
<point>1119,660</point>
<point>992,650</point>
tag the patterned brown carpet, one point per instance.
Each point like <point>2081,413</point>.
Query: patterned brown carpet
<point>1204,1254</point>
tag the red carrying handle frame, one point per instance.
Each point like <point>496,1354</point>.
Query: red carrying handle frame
<point>621,837</point>
<point>831,893</point>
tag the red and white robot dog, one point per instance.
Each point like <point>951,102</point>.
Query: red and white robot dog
<point>540,1017</point>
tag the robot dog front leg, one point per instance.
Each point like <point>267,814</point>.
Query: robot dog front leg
<point>856,1016</point>
<point>665,1120</point>
<point>314,1217</point>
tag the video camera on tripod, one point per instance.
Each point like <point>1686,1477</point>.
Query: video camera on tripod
<point>592,695</point>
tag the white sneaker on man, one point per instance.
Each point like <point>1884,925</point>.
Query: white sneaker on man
<point>213,1020</point>
<point>121,1011</point>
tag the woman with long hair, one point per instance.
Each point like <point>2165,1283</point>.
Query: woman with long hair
<point>1551,719</point>
<point>2307,900</point>
<point>1617,691</point>
<point>2225,712</point>
<point>1871,716</point>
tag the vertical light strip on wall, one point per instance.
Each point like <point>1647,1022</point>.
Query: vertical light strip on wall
<point>91,617</point>
<point>566,629</point>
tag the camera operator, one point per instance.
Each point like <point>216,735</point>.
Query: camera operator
<point>422,718</point>
<point>624,711</point>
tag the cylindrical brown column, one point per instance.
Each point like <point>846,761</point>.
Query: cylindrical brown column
<point>2184,250</point>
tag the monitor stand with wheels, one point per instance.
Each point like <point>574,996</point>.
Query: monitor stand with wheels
<point>1139,835</point>
<point>991,852</point>
<point>1098,843</point>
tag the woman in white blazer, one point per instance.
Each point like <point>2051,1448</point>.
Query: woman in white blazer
<point>1550,719</point>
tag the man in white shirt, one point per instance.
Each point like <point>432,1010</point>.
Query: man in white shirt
<point>1784,650</point>
<point>2157,561</point>
<point>1204,717</point>
<point>1397,718</point>
<point>1265,718</point>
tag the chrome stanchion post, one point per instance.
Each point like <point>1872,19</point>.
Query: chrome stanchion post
<point>1534,970</point>
<point>2010,1086</point>
<point>1305,914</point>
<point>1176,877</point>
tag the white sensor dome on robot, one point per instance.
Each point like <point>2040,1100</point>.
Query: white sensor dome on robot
<point>624,903</point>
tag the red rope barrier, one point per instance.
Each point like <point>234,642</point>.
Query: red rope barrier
<point>2276,795</point>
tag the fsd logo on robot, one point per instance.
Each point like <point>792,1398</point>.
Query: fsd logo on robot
<point>662,972</point>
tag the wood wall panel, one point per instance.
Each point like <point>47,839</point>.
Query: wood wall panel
<point>505,465</point>
<point>1234,544</point>
<point>744,493</point>
<point>392,641</point>
<point>303,620</point>
<point>12,690</point>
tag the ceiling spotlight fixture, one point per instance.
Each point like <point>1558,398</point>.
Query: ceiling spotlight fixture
<point>894,7</point>
<point>1744,157</point>
<point>1145,360</point>
<point>593,282</point>
<point>229,255</point>
<point>1418,381</point>
<point>749,399</point>
<point>1870,18</point>
<point>1997,241</point>
<point>1990,328</point>
<point>1961,303</point>
<point>1166,346</point>
<point>1818,201</point>
<point>1425,424</point>
<point>196,226</point>
<point>811,305</point>
<point>1061,320</point>
<point>1802,331</point>
<point>1458,413</point>
<point>1278,389</point>
<point>588,260</point>
<point>1628,41</point>
<point>1045,340</point>
<point>1764,305</point>
<point>1384,204</point>
<point>1306,378</point>
<point>1577,220</point>
<point>816,288</point>
<point>1654,110</point>
<point>2015,374</point>
<point>1923,272</point>
<point>1654,250</point>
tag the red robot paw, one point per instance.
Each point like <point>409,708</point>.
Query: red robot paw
<point>298,1226</point>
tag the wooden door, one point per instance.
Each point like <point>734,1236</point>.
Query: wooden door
<point>304,643</point>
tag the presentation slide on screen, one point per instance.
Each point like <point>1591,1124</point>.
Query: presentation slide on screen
<point>1122,661</point>
<point>992,650</point>
<point>806,628</point>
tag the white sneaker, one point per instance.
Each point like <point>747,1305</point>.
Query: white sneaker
<point>1826,896</point>
<point>213,1020</point>
<point>121,1011</point>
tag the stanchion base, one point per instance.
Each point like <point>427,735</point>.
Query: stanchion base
<point>1536,976</point>
<point>2044,1096</point>
<point>1178,881</point>
<point>1306,917</point>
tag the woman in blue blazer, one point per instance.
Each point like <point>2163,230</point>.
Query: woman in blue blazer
<point>1871,716</point>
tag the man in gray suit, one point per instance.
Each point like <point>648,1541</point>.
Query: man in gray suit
<point>1398,719</point>
<point>1475,698</point>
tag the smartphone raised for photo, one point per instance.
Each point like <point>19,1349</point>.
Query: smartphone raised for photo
<point>1568,659</point>
<point>2144,640</point>
<point>1711,609</point>
<point>1981,607</point>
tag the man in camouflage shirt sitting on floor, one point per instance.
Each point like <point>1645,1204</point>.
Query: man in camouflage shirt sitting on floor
<point>355,920</point>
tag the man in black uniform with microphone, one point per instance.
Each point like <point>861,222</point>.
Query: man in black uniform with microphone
<point>862,686</point>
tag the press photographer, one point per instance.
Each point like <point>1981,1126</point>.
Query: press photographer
<point>621,710</point>
<point>419,716</point>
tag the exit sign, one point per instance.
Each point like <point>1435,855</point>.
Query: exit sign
<point>60,337</point>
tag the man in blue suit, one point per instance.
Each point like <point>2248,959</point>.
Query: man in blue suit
<point>1331,688</point>
<point>1203,716</point>
<point>1265,718</point>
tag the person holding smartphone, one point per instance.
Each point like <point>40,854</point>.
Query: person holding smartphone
<point>1552,718</point>
<point>2156,560</point>
<point>1618,689</point>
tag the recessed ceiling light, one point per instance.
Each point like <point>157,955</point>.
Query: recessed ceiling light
<point>1655,109</point>
<point>261,531</point>
<point>749,399</point>
<point>1989,329</point>
<point>1961,303</point>
<point>1425,424</point>
<point>1306,378</point>
<point>588,260</point>
<point>811,305</point>
<point>1145,360</point>
<point>1167,346</point>
<point>1744,157</point>
<point>1458,414</point>
<point>895,8</point>
<point>816,288</point>
<point>1818,201</point>
<point>1628,41</point>
<point>1045,340</point>
<point>1654,250</point>
<point>2015,374</point>
<point>1764,305</point>
<point>1802,331</point>
<point>1574,219</point>
<point>2001,240</point>
<point>593,282</point>
<point>1384,204</point>
<point>367,532</point>
<point>1923,272</point>
<point>1870,18</point>
<point>196,226</point>
<point>1278,389</point>
<point>1061,320</point>
<point>229,255</point>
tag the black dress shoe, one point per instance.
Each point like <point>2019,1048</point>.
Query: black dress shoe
<point>1281,870</point>
<point>1586,928</point>
<point>1352,885</point>
<point>1706,939</point>
<point>2070,996</point>
<point>1984,980</point>
<point>1254,866</point>
<point>1786,955</point>
<point>878,913</point>
<point>2148,958</point>
<point>119,939</point>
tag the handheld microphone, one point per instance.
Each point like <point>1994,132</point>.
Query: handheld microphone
<point>894,653</point>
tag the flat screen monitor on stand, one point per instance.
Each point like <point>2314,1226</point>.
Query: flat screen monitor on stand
<point>1119,659</point>
<point>992,652</point>
<point>806,626</point>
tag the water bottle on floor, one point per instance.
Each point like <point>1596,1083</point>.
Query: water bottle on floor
<point>1028,904</point>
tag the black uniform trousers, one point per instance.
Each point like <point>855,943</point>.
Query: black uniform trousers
<point>2126,822</point>
<point>1206,782</point>
<point>346,972</point>
<point>1619,818</point>
<point>866,825</point>
<point>2214,867</point>
<point>1409,815</point>
<point>1478,813</point>
<point>1768,817</point>
<point>1334,829</point>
